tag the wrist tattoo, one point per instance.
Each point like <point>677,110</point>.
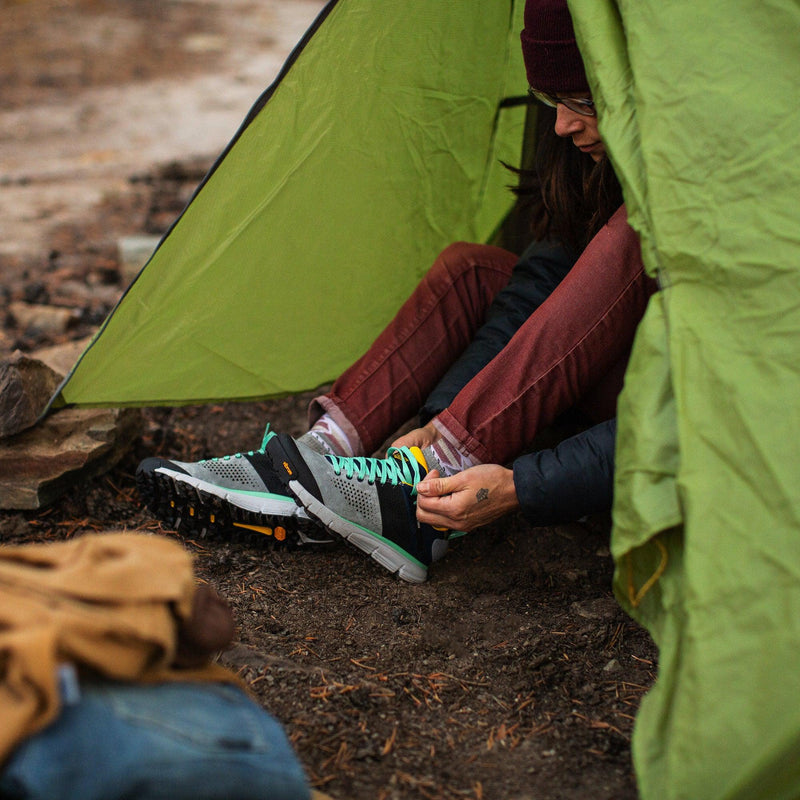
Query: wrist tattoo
<point>481,495</point>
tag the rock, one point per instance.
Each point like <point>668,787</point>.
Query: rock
<point>598,608</point>
<point>134,252</point>
<point>51,320</point>
<point>6,343</point>
<point>39,462</point>
<point>62,357</point>
<point>203,43</point>
<point>26,386</point>
<point>73,444</point>
<point>85,295</point>
<point>27,383</point>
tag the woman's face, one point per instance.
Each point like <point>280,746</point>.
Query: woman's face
<point>582,129</point>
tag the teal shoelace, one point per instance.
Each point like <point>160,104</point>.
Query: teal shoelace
<point>399,466</point>
<point>268,434</point>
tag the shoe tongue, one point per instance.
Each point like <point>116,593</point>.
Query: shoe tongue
<point>401,455</point>
<point>419,456</point>
<point>268,434</point>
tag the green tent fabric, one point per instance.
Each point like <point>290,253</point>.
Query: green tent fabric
<point>698,105</point>
<point>381,141</point>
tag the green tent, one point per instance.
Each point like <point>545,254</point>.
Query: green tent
<point>699,102</point>
<point>380,142</point>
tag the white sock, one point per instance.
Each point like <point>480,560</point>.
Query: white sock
<point>328,438</point>
<point>446,458</point>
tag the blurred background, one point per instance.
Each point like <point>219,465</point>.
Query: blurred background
<point>111,112</point>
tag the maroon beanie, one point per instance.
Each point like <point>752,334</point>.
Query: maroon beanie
<point>552,59</point>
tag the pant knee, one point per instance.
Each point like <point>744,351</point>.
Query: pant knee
<point>460,261</point>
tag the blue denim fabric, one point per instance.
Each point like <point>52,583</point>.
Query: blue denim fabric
<point>167,742</point>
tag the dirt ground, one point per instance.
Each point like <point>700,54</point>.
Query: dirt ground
<point>511,674</point>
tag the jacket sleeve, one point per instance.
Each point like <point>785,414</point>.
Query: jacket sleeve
<point>573,479</point>
<point>537,273</point>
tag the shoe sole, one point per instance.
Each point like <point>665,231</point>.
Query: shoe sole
<point>191,506</point>
<point>373,544</point>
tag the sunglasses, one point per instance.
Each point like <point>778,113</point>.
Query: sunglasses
<point>579,105</point>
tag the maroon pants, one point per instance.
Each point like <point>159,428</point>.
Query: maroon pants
<point>571,352</point>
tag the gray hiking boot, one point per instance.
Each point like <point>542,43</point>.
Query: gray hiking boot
<point>368,501</point>
<point>236,494</point>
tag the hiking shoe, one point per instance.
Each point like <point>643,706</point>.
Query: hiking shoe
<point>368,501</point>
<point>236,494</point>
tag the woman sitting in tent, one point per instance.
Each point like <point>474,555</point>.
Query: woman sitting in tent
<point>492,348</point>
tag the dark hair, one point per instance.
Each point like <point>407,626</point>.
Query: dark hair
<point>567,195</point>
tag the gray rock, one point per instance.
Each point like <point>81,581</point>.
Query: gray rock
<point>26,386</point>
<point>73,444</point>
<point>27,383</point>
<point>41,461</point>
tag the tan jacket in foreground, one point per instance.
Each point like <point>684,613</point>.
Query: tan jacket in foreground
<point>122,605</point>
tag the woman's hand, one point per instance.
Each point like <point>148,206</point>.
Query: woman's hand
<point>419,437</point>
<point>467,500</point>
